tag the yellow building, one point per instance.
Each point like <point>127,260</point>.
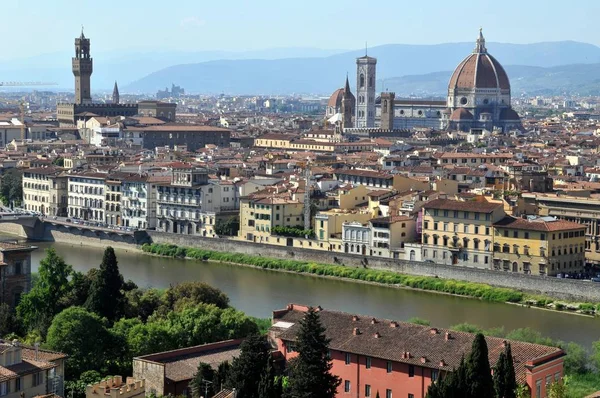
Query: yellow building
<point>539,246</point>
<point>259,214</point>
<point>273,140</point>
<point>459,232</point>
<point>329,224</point>
<point>349,197</point>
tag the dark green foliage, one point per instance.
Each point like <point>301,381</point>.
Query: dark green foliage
<point>194,293</point>
<point>8,320</point>
<point>59,161</point>
<point>105,296</point>
<point>76,388</point>
<point>505,383</point>
<point>247,369</point>
<point>141,303</point>
<point>80,287</point>
<point>419,321</point>
<point>577,359</point>
<point>269,386</point>
<point>478,375</point>
<point>11,188</point>
<point>478,290</point>
<point>453,385</point>
<point>83,336</point>
<point>222,375</point>
<point>296,232</point>
<point>201,384</point>
<point>310,372</point>
<point>49,296</point>
<point>229,227</point>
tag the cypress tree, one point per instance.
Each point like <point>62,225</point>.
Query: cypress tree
<point>268,386</point>
<point>510,378</point>
<point>310,372</point>
<point>105,297</point>
<point>201,384</point>
<point>500,376</point>
<point>478,375</point>
<point>247,369</point>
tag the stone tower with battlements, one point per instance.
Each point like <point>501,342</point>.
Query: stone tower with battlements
<point>387,110</point>
<point>82,70</point>
<point>365,91</point>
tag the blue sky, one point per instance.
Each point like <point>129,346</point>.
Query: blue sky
<point>41,26</point>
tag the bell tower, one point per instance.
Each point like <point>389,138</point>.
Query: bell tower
<point>387,110</point>
<point>82,70</point>
<point>365,91</point>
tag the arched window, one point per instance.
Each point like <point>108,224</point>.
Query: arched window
<point>362,80</point>
<point>370,81</point>
<point>385,104</point>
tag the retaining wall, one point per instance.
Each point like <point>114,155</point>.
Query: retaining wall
<point>566,289</point>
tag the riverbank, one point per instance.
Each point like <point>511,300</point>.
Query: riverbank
<point>381,277</point>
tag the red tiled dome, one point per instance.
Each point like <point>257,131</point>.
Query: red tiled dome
<point>479,70</point>
<point>335,101</point>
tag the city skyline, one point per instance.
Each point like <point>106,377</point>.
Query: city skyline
<point>227,28</point>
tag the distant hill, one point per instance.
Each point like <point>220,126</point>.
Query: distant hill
<point>324,74</point>
<point>582,79</point>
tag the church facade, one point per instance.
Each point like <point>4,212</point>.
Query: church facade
<point>478,97</point>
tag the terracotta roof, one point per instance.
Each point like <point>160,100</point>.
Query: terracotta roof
<point>479,70</point>
<point>408,343</point>
<point>335,101</point>
<point>461,114</point>
<point>470,205</point>
<point>364,173</point>
<point>180,128</point>
<point>538,224</point>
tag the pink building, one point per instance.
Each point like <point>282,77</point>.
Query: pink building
<point>401,360</point>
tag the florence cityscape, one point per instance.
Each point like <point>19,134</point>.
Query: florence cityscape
<point>280,200</point>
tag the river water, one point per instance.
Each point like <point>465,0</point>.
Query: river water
<point>258,292</point>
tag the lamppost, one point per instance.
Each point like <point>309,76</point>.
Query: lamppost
<point>206,385</point>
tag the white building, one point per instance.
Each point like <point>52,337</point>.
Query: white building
<point>86,196</point>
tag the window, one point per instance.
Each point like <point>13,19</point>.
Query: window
<point>18,384</point>
<point>445,213</point>
<point>4,388</point>
<point>411,371</point>
<point>466,215</point>
<point>455,214</point>
<point>18,268</point>
<point>543,236</point>
<point>476,230</point>
<point>367,390</point>
<point>389,366</point>
<point>515,234</point>
<point>411,395</point>
<point>526,235</point>
<point>348,358</point>
<point>477,216</point>
<point>388,393</point>
<point>466,229</point>
<point>538,389</point>
<point>347,386</point>
<point>434,375</point>
<point>37,379</point>
<point>506,234</point>
<point>368,363</point>
<point>475,258</point>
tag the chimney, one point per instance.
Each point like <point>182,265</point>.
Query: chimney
<point>442,363</point>
<point>354,318</point>
<point>448,336</point>
<point>433,331</point>
<point>393,324</point>
<point>37,349</point>
<point>377,335</point>
<point>373,321</point>
<point>356,331</point>
<point>423,359</point>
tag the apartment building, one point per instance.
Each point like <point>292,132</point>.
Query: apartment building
<point>388,235</point>
<point>539,245</point>
<point>582,210</point>
<point>379,180</point>
<point>27,372</point>
<point>86,196</point>
<point>45,191</point>
<point>472,159</point>
<point>138,201</point>
<point>112,204</point>
<point>374,356</point>
<point>179,201</point>
<point>15,271</point>
<point>260,212</point>
<point>460,232</point>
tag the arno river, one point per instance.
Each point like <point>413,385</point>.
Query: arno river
<point>258,292</point>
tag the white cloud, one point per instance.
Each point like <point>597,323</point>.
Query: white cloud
<point>192,22</point>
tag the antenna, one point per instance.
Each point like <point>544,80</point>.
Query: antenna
<point>366,49</point>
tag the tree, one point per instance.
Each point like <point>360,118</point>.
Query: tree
<point>247,369</point>
<point>505,382</point>
<point>577,359</point>
<point>522,391</point>
<point>49,295</point>
<point>105,296</point>
<point>11,188</point>
<point>558,389</point>
<point>310,372</point>
<point>201,384</point>
<point>596,353</point>
<point>83,336</point>
<point>142,303</point>
<point>8,320</point>
<point>194,293</point>
<point>222,375</point>
<point>76,388</point>
<point>269,386</point>
<point>478,375</point>
<point>59,161</point>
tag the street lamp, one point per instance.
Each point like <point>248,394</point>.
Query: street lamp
<point>206,385</point>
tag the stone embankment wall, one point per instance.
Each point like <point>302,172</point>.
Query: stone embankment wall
<point>566,289</point>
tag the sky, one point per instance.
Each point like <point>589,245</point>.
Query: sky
<point>41,26</point>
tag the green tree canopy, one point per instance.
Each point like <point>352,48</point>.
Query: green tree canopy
<point>194,293</point>
<point>8,320</point>
<point>83,336</point>
<point>478,375</point>
<point>50,294</point>
<point>105,296</point>
<point>11,187</point>
<point>310,372</point>
<point>505,383</point>
<point>201,384</point>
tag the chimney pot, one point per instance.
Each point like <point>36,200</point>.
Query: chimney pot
<point>423,359</point>
<point>354,318</point>
<point>377,335</point>
<point>442,363</point>
<point>393,324</point>
<point>373,321</point>
<point>448,336</point>
<point>433,331</point>
<point>356,331</point>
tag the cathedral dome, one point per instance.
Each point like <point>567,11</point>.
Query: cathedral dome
<point>335,101</point>
<point>479,70</point>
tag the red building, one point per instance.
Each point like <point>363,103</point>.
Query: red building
<point>401,360</point>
